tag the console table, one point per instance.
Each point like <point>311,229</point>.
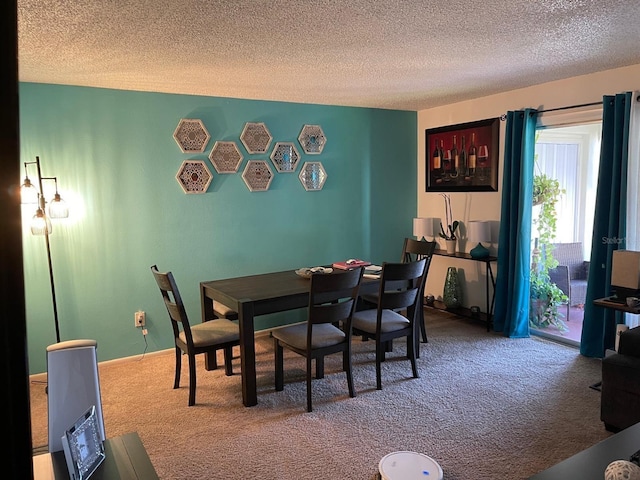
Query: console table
<point>490,281</point>
<point>125,459</point>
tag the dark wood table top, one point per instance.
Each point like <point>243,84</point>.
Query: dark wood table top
<point>591,463</point>
<point>622,307</point>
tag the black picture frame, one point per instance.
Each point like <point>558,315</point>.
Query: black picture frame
<point>481,177</point>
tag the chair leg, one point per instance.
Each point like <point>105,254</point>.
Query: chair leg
<point>228,356</point>
<point>346,363</point>
<point>411,353</point>
<point>423,326</point>
<point>279,363</point>
<point>320,367</point>
<point>176,381</point>
<point>309,408</point>
<point>211,360</point>
<point>192,380</point>
<point>380,349</point>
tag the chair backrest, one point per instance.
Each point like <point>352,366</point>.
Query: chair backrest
<point>173,302</point>
<point>401,285</point>
<point>416,250</point>
<point>333,298</point>
<point>571,255</point>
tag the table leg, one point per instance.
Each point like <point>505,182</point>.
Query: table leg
<point>206,306</point>
<point>490,276</point>
<point>247,353</point>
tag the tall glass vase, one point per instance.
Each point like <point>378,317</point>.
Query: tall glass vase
<point>452,296</point>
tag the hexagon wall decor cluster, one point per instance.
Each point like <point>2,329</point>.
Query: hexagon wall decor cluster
<point>285,157</point>
<point>312,176</point>
<point>225,157</point>
<point>257,175</point>
<point>194,176</point>
<point>312,139</point>
<point>256,137</point>
<point>191,135</point>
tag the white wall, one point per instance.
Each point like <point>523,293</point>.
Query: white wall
<point>486,205</point>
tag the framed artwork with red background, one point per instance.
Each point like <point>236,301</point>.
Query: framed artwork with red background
<point>463,157</point>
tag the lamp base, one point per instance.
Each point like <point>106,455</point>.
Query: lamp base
<point>479,251</point>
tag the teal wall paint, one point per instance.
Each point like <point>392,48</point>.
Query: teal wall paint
<point>116,160</point>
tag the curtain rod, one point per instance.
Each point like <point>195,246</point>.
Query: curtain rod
<point>570,107</point>
<point>503,117</point>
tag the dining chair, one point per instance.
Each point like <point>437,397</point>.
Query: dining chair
<point>192,340</point>
<point>400,286</point>
<point>327,330</point>
<point>415,250</point>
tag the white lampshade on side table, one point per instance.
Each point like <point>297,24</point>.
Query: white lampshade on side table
<point>422,228</point>
<point>479,231</point>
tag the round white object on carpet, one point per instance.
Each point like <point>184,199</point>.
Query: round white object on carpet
<point>409,466</point>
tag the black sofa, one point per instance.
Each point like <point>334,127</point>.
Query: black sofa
<point>620,401</point>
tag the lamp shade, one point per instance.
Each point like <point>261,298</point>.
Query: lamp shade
<point>479,231</point>
<point>422,227</point>
<point>58,207</point>
<point>40,224</point>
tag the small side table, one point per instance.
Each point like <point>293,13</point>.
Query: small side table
<point>490,281</point>
<point>125,459</point>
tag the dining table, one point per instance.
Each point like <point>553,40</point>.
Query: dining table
<point>255,295</point>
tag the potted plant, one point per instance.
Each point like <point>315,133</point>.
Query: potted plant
<point>545,295</point>
<point>449,234</point>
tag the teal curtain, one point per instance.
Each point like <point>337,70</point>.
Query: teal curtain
<point>609,227</point>
<point>514,247</point>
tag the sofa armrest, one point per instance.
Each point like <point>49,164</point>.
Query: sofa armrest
<point>630,342</point>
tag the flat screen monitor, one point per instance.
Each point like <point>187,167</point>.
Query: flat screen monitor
<point>625,274</point>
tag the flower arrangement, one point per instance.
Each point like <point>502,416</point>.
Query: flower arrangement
<point>452,226</point>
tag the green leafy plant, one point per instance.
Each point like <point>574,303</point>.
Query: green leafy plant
<point>452,226</point>
<point>546,193</point>
<point>545,295</point>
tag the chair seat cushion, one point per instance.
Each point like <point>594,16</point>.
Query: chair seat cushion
<point>222,311</point>
<point>213,332</point>
<point>366,320</point>
<point>324,335</point>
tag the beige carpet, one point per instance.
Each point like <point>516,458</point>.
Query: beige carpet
<point>484,407</point>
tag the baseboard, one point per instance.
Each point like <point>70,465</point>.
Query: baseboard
<point>464,312</point>
<point>42,377</point>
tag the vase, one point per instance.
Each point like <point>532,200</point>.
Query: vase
<point>452,296</point>
<point>451,245</point>
<point>479,251</point>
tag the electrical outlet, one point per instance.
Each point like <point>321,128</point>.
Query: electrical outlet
<point>139,319</point>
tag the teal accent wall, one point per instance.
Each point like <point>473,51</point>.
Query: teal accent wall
<point>115,159</point>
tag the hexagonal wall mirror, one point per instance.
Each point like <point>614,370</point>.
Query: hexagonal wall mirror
<point>194,176</point>
<point>256,137</point>
<point>191,135</point>
<point>312,176</point>
<point>312,139</point>
<point>285,157</point>
<point>225,157</point>
<point>257,175</point>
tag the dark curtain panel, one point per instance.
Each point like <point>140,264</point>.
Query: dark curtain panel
<point>514,247</point>
<point>609,227</point>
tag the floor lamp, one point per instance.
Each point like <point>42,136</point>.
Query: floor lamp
<point>41,223</point>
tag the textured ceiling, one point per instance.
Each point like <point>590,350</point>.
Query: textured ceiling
<point>392,54</point>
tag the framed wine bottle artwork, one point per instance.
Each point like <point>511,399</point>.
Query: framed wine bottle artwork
<point>463,157</point>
